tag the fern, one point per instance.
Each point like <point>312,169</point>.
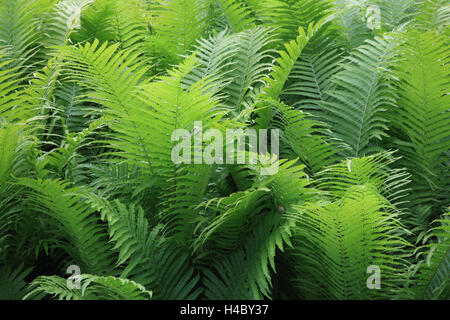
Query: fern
<point>95,96</point>
<point>337,242</point>
<point>289,15</point>
<point>12,284</point>
<point>237,15</point>
<point>180,23</point>
<point>360,97</point>
<point>91,288</point>
<point>80,226</point>
<point>279,75</point>
<point>431,278</point>
<point>422,115</point>
<point>391,183</point>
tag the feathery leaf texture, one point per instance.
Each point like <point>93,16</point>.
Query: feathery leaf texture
<point>345,200</point>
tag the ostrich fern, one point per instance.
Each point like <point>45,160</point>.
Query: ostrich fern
<point>91,92</point>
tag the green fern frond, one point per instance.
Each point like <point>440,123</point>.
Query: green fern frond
<point>237,15</point>
<point>376,170</point>
<point>337,242</point>
<point>15,146</point>
<point>215,56</point>
<point>310,79</point>
<point>12,283</point>
<point>395,14</point>
<point>431,279</point>
<point>96,22</point>
<point>250,64</point>
<point>304,137</point>
<point>80,224</point>
<point>145,256</point>
<point>112,77</point>
<point>62,20</point>
<point>251,226</point>
<point>434,14</point>
<point>19,30</point>
<point>422,115</point>
<point>91,288</point>
<point>278,77</point>
<point>354,30</point>
<point>180,23</point>
<point>11,95</point>
<point>288,15</point>
<point>359,98</point>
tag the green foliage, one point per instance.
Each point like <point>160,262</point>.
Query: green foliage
<point>91,288</point>
<point>359,97</point>
<point>12,283</point>
<point>93,91</point>
<point>432,273</point>
<point>422,116</point>
<point>337,241</point>
<point>288,15</point>
<point>73,221</point>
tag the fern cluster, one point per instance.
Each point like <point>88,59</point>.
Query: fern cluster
<point>91,92</point>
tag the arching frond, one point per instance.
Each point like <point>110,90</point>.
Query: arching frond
<point>304,137</point>
<point>278,77</point>
<point>422,115</point>
<point>251,226</point>
<point>288,15</point>
<point>62,20</point>
<point>359,98</point>
<point>431,278</point>
<point>144,254</point>
<point>79,224</point>
<point>250,64</point>
<point>179,23</point>
<point>336,244</point>
<point>237,15</point>
<point>91,288</point>
<point>376,170</point>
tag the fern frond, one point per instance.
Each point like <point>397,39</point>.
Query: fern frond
<point>215,57</point>
<point>238,16</point>
<point>354,30</point>
<point>145,255</point>
<point>250,224</point>
<point>431,279</point>
<point>250,64</point>
<point>91,288</point>
<point>112,77</point>
<point>180,23</point>
<point>12,283</point>
<point>422,115</point>
<point>80,225</point>
<point>376,170</point>
<point>310,79</point>
<point>304,137</point>
<point>287,15</point>
<point>62,20</point>
<point>336,243</point>
<point>360,97</point>
<point>19,30</point>
<point>434,14</point>
<point>278,77</point>
<point>11,95</point>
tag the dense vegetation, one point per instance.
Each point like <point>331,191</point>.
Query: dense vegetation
<point>91,91</point>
